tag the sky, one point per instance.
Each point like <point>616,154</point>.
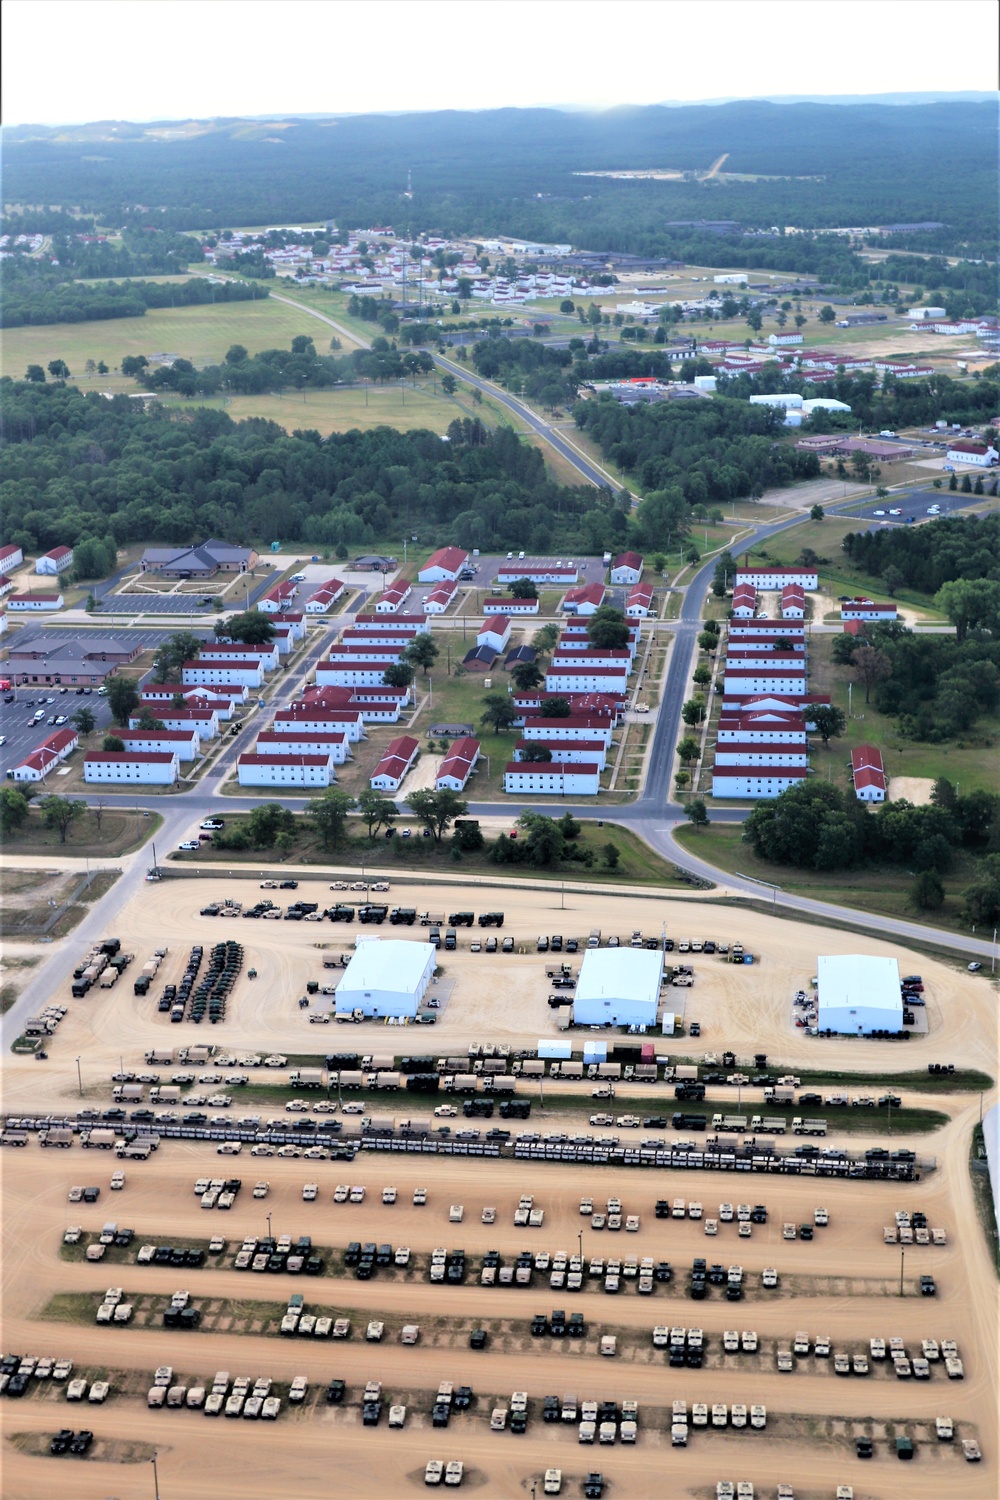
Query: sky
<point>72,61</point>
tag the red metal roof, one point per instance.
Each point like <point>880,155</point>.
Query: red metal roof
<point>137,757</point>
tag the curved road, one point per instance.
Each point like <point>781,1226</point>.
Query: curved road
<point>652,816</point>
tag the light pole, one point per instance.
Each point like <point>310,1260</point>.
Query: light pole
<point>902,1258</point>
<point>156,1479</point>
<point>269,1226</point>
<point>79,1077</point>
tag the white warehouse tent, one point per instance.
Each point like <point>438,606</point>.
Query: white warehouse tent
<point>859,994</point>
<point>618,987</point>
<point>386,977</point>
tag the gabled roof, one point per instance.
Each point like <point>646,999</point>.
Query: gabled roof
<point>627,560</point>
<point>450,558</point>
<point>481,653</point>
<point>588,593</point>
<point>460,758</point>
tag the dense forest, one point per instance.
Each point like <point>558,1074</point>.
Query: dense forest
<point>515,171</point>
<point>925,557</point>
<point>36,300</point>
<point>80,466</point>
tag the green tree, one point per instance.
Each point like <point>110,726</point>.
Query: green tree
<point>84,721</point>
<point>682,779</point>
<point>871,666</point>
<point>608,628</point>
<point>611,855</point>
<point>970,604</point>
<point>523,588</point>
<point>893,578</point>
<point>122,698</point>
<point>702,674</point>
<point>377,810</point>
<point>535,751</point>
<point>697,812</point>
<point>688,749</point>
<point>35,373</point>
<point>398,674</point>
<point>329,816</point>
<point>437,810</point>
<point>449,384</point>
<point>145,720</point>
<point>422,651</point>
<point>526,676</point>
<point>545,638</point>
<point>827,314</point>
<point>693,711</point>
<point>113,742</point>
<point>981,900</point>
<point>236,354</point>
<point>557,708</point>
<point>754,319</point>
<point>499,713</point>
<point>265,825</point>
<point>543,842</point>
<point>928,891</point>
<point>966,485</point>
<point>59,370</point>
<point>60,813</point>
<point>830,721</point>
<point>725,567</point>
<point>253,628</point>
<point>711,626</point>
<point>707,641</point>
<point>13,809</point>
<point>817,513</point>
<point>170,657</point>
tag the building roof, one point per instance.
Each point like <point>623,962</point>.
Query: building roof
<point>387,964</point>
<point>621,974</point>
<point>642,593</point>
<point>627,560</point>
<point>485,654</point>
<point>58,553</point>
<point>236,648</point>
<point>588,593</point>
<point>450,558</point>
<point>398,622</point>
<point>765,773</point>
<point>204,557</point>
<point>396,756</point>
<point>158,734</point>
<point>519,654</point>
<point>496,624</point>
<point>315,737</point>
<point>855,979</point>
<point>9,551</point>
<point>597,746</point>
<point>460,758</point>
<point>559,768</point>
<point>39,598</point>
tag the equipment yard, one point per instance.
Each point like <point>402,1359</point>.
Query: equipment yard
<point>501,1259</point>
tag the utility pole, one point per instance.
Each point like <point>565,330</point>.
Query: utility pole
<point>902,1259</point>
<point>79,1077</point>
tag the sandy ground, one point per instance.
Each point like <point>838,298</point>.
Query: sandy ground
<point>915,789</point>
<point>829,1285</point>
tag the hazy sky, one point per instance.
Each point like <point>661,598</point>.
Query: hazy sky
<point>82,60</point>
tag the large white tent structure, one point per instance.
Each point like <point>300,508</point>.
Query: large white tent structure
<point>386,977</point>
<point>859,994</point>
<point>618,987</point>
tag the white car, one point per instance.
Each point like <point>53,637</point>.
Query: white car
<point>374,1331</point>
<point>298,578</point>
<point>189,844</point>
<point>341,1192</point>
<point>309,1192</point>
<point>878,512</point>
<point>895,513</point>
<point>446,1111</point>
<point>434,1471</point>
<point>454,1471</point>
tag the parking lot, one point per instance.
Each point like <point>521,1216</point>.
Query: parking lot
<point>842,1284</point>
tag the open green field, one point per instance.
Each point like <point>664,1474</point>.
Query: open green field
<point>403,406</point>
<point>97,835</point>
<point>885,889</point>
<point>201,334</point>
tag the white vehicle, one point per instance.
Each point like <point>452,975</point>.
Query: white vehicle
<point>446,1111</point>
<point>434,1471</point>
<point>76,1390</point>
<point>397,1416</point>
<point>117,1181</point>
<point>419,1197</point>
<point>98,1393</point>
<point>354,1107</point>
<point>310,1191</point>
<point>455,1213</point>
<point>389,1195</point>
<point>609,1345</point>
<point>552,1483</point>
<point>374,1331</point>
<point>454,1472</point>
<point>498,1419</point>
<point>402,1256</point>
<point>357,1194</point>
<point>298,1389</point>
<point>489,1216</point>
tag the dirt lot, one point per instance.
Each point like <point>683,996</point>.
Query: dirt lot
<point>828,1286</point>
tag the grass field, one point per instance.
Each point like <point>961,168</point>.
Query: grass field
<point>121,830</point>
<point>837,575</point>
<point>884,889</point>
<point>201,334</point>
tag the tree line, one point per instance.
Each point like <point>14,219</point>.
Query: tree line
<point>816,826</point>
<point>70,302</point>
<point>925,557</point>
<point>897,403</point>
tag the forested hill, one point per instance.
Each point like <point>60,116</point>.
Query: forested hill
<point>513,170</point>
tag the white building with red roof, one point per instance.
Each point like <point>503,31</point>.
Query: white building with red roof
<point>458,764</point>
<point>34,604</point>
<point>184,743</point>
<point>640,602</point>
<point>202,673</point>
<point>11,557</point>
<point>576,727</point>
<point>201,721</point>
<point>56,561</point>
<point>566,752</point>
<point>744,601</point>
<point>753,753</point>
<point>380,625</point>
<point>397,759</point>
<point>867,609</point>
<point>278,598</point>
<point>626,568</point>
<point>332,742</point>
<point>505,605</point>
<point>757,783</point>
<point>776,578</point>
<point>440,597</point>
<point>324,595</point>
<point>315,717</point>
<point>391,598</point>
<point>286,770</point>
<point>131,767</point>
<point>793,602</point>
<point>585,600</point>
<point>51,752</point>
<point>868,774</point>
<point>444,565</point>
<point>494,632</point>
<point>542,778</point>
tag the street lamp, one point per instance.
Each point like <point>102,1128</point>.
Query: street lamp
<point>79,1077</point>
<point>156,1478</point>
<point>269,1226</point>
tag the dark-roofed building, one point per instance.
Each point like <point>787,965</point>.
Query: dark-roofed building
<point>519,654</point>
<point>204,560</point>
<point>479,659</point>
<point>86,660</point>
